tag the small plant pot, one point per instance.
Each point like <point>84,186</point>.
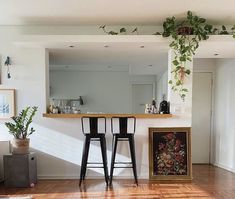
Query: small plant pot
<point>185,30</point>
<point>20,146</point>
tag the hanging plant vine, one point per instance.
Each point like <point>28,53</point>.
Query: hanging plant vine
<point>121,31</point>
<point>186,35</point>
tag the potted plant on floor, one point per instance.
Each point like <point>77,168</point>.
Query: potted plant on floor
<point>20,129</point>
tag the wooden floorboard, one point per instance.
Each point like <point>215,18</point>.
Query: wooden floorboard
<point>208,182</point>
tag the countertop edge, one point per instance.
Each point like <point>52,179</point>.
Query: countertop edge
<point>146,116</point>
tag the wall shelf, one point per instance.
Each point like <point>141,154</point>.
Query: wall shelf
<point>107,115</point>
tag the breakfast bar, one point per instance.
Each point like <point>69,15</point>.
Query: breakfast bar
<point>169,147</point>
<point>146,116</point>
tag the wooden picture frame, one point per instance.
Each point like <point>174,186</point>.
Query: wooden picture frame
<point>7,103</point>
<point>170,153</point>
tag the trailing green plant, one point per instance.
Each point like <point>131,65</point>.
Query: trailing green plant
<point>122,30</point>
<point>20,126</point>
<point>224,31</point>
<point>186,35</point>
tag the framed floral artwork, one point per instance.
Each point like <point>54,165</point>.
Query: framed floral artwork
<point>7,103</point>
<point>170,154</point>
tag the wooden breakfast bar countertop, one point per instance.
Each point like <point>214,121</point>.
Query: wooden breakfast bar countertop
<point>146,116</point>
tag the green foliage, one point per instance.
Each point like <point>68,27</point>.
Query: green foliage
<point>121,31</point>
<point>223,31</point>
<point>20,126</point>
<point>157,33</point>
<point>135,31</point>
<point>186,35</point>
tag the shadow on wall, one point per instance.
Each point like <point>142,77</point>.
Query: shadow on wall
<point>58,152</point>
<point>68,148</point>
<point>139,152</point>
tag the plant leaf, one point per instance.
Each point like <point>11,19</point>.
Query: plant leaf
<point>122,30</point>
<point>135,30</point>
<point>102,26</point>
<point>112,33</point>
<point>175,62</point>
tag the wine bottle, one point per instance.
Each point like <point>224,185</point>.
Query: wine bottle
<point>154,106</point>
<point>164,106</point>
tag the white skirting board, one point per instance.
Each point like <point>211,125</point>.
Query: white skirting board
<point>76,177</point>
<point>4,149</point>
<point>222,166</point>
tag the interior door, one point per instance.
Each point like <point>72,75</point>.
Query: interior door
<point>141,94</point>
<point>201,117</point>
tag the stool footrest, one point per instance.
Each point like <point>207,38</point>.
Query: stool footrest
<point>94,167</point>
<point>122,162</point>
<point>95,139</point>
<point>123,139</point>
<point>94,163</point>
<point>122,167</point>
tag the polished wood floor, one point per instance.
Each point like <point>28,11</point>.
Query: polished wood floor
<point>208,182</point>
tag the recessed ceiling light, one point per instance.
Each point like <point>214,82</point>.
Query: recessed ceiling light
<point>106,46</point>
<point>216,54</point>
<point>142,46</point>
<point>71,46</point>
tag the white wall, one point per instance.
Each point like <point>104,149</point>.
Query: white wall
<point>178,106</point>
<point>204,64</point>
<point>162,86</point>
<point>102,91</point>
<point>59,141</point>
<point>224,114</point>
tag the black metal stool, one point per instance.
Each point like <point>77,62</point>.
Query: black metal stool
<point>94,134</point>
<point>123,135</point>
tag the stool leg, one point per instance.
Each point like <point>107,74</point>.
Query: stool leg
<point>82,165</point>
<point>133,158</point>
<point>104,157</point>
<point>114,149</point>
<point>84,158</point>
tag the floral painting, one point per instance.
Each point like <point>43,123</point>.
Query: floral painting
<point>169,153</point>
<point>7,106</point>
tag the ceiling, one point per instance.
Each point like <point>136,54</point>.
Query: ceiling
<point>137,58</point>
<point>111,12</point>
<point>216,49</point>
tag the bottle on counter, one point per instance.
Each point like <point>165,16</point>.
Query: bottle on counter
<point>55,110</point>
<point>164,107</point>
<point>168,107</point>
<point>154,106</point>
<point>147,108</point>
<point>50,109</point>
